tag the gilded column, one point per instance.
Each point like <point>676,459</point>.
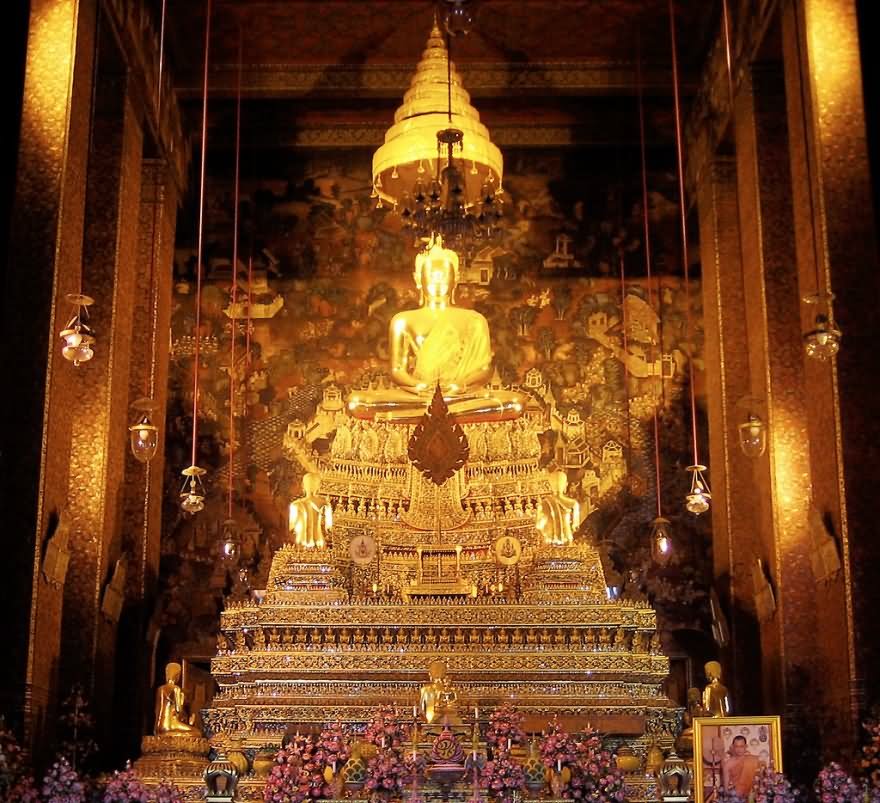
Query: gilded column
<point>734,523</point>
<point>43,265</point>
<point>782,477</point>
<point>92,599</point>
<point>837,250</point>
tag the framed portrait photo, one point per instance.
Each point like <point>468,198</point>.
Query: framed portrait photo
<point>729,751</point>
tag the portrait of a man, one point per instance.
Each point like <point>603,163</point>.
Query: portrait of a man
<point>731,751</point>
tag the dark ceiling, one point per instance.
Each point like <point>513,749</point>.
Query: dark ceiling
<point>313,63</point>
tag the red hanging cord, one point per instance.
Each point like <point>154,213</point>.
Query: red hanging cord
<point>648,265</point>
<point>198,336</point>
<point>234,290</point>
<point>684,243</point>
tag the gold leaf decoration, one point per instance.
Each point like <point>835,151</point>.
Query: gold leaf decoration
<point>438,446</point>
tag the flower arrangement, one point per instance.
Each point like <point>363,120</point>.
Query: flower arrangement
<point>332,748</point>
<point>834,785</point>
<point>594,775</point>
<point>125,787</point>
<point>387,775</point>
<point>724,794</point>
<point>11,759</point>
<point>869,761</point>
<point>297,775</point>
<point>770,786</point>
<point>502,776</point>
<point>23,791</point>
<point>558,748</point>
<point>77,727</point>
<point>505,728</point>
<point>62,784</point>
<point>168,792</point>
<point>384,731</point>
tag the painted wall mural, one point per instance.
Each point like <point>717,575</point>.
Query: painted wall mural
<point>329,270</point>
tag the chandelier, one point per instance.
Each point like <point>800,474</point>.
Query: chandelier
<point>77,335</point>
<point>438,168</point>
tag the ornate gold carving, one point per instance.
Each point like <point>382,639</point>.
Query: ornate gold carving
<point>438,446</point>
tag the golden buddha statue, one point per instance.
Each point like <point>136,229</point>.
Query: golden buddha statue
<point>438,699</point>
<point>171,705</point>
<point>558,515</point>
<point>311,517</point>
<point>438,343</point>
<point>684,744</point>
<point>716,700</point>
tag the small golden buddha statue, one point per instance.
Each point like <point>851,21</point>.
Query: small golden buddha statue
<point>438,343</point>
<point>438,699</point>
<point>311,517</point>
<point>558,515</point>
<point>716,700</point>
<point>171,705</point>
<point>684,744</point>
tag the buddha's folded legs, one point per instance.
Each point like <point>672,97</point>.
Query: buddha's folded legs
<point>401,407</point>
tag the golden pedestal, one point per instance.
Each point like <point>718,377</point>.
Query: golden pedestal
<point>172,755</point>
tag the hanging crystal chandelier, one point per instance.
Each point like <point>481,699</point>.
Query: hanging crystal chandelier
<point>192,493</point>
<point>77,335</point>
<point>144,434</point>
<point>438,167</point>
<point>697,500</point>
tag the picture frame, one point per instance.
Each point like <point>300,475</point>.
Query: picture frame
<point>729,751</point>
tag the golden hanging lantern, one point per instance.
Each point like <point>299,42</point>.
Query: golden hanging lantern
<point>435,101</point>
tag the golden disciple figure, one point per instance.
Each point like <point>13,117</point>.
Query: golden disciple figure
<point>438,343</point>
<point>715,697</point>
<point>739,767</point>
<point>171,705</point>
<point>559,515</point>
<point>438,699</point>
<point>311,517</point>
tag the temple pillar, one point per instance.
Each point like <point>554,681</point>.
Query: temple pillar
<point>99,436</point>
<point>44,260</point>
<point>142,517</point>
<point>782,477</point>
<point>734,523</point>
<point>836,244</point>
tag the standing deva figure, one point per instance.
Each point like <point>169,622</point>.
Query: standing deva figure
<point>311,517</point>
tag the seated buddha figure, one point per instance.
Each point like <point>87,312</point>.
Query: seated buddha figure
<point>311,517</point>
<point>438,700</point>
<point>438,343</point>
<point>558,515</point>
<point>171,706</point>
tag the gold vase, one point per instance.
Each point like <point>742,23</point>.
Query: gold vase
<point>263,763</point>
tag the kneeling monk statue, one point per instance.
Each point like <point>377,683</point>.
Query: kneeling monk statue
<point>438,343</point>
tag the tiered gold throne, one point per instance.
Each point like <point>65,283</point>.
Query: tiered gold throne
<point>415,572</point>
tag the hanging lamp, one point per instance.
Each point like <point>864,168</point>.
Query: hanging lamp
<point>698,498</point>
<point>143,433</point>
<point>660,534</point>
<point>77,334</point>
<point>193,495</point>
<point>231,540</point>
<point>822,342</point>
<point>77,337</point>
